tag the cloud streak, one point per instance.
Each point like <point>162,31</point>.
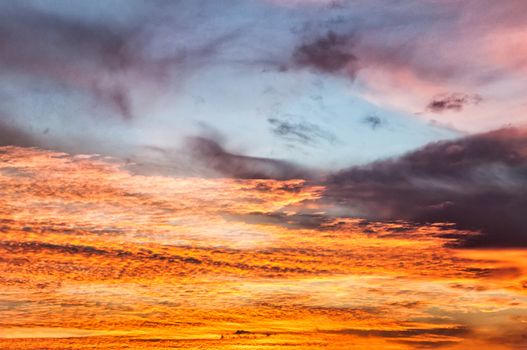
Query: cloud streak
<point>213,156</point>
<point>301,132</point>
<point>452,102</point>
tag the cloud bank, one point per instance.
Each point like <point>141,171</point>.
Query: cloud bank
<point>478,182</point>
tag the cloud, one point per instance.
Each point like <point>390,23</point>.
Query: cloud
<point>119,98</point>
<point>427,344</point>
<point>405,46</point>
<point>373,121</point>
<point>453,102</point>
<point>295,221</point>
<point>81,54</point>
<point>115,63</point>
<point>31,247</point>
<point>198,156</point>
<point>331,53</point>
<point>213,156</point>
<point>11,135</point>
<point>301,132</point>
<point>478,182</point>
<point>404,333</point>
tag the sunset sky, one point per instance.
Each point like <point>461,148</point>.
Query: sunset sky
<point>263,174</point>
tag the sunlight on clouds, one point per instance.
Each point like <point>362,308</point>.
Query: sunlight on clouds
<point>92,256</point>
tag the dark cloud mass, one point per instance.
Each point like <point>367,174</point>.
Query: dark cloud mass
<point>453,102</point>
<point>83,40</point>
<point>212,155</point>
<point>12,136</point>
<point>331,53</point>
<point>478,182</point>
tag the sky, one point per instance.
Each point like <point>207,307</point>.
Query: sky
<point>263,174</point>
<point>327,84</point>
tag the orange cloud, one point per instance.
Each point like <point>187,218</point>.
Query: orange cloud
<point>92,256</point>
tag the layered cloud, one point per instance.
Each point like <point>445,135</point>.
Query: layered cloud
<point>268,174</point>
<point>93,256</point>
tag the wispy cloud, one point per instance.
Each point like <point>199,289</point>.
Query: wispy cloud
<point>452,102</point>
<point>300,132</point>
<point>111,62</point>
<point>212,155</point>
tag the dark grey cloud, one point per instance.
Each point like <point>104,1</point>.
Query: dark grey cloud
<point>478,182</point>
<point>10,135</point>
<point>373,121</point>
<point>212,155</point>
<point>349,40</point>
<point>331,53</point>
<point>301,132</point>
<point>405,38</point>
<point>452,102</point>
<point>29,31</point>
